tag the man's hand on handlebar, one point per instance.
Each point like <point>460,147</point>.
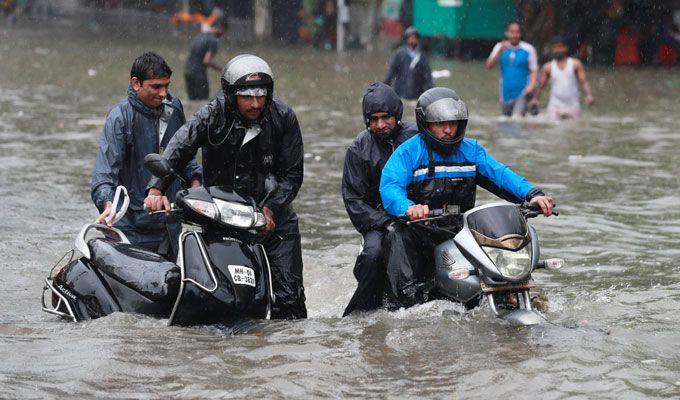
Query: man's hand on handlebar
<point>269,216</point>
<point>545,202</point>
<point>155,201</point>
<point>417,211</point>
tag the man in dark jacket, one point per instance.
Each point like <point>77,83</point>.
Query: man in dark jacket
<point>140,124</point>
<point>201,57</point>
<point>246,136</point>
<point>409,68</point>
<point>364,162</point>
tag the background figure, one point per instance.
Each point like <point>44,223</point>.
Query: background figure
<point>409,68</point>
<point>563,72</point>
<point>519,70</point>
<point>201,54</point>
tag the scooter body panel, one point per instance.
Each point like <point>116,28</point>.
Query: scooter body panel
<point>222,281</point>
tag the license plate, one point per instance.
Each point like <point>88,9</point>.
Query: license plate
<point>242,275</point>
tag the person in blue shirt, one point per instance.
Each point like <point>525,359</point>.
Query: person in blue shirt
<point>438,167</point>
<point>519,70</point>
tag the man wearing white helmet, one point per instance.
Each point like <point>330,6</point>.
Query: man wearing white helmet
<point>247,136</point>
<point>438,167</point>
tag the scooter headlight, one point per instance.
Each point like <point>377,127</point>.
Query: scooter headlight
<point>235,214</point>
<point>511,264</point>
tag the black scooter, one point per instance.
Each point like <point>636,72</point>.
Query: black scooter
<point>222,274</point>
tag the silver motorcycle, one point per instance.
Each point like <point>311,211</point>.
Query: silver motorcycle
<point>492,257</point>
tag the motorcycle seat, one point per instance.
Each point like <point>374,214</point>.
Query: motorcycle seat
<point>139,269</point>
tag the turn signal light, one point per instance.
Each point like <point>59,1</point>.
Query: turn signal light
<point>554,263</point>
<point>459,274</point>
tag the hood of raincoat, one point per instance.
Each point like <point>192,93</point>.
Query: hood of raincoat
<point>380,97</point>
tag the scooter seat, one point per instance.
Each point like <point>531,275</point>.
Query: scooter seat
<point>139,269</point>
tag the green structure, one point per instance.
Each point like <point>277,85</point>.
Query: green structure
<point>463,19</point>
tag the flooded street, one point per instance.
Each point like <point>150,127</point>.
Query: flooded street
<point>614,309</point>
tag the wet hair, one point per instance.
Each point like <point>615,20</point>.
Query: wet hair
<point>150,66</point>
<point>512,22</point>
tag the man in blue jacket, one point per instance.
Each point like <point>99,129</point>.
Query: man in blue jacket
<point>365,158</point>
<point>140,124</point>
<point>438,167</point>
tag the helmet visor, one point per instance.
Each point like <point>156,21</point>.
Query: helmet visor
<point>446,109</point>
<point>252,91</point>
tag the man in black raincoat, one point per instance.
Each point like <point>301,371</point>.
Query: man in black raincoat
<point>364,161</point>
<point>246,136</point>
<point>409,68</point>
<point>140,124</point>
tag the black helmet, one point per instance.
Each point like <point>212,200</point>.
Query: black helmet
<point>437,105</point>
<point>245,72</point>
<point>380,97</point>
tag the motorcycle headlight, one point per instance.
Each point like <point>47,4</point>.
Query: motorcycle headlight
<point>203,207</point>
<point>235,214</point>
<point>511,264</point>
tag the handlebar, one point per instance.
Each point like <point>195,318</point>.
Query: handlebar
<point>435,214</point>
<point>173,208</point>
<point>533,210</point>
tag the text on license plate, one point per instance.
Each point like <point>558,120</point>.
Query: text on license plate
<point>242,275</point>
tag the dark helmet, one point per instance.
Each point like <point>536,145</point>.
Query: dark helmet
<point>245,72</point>
<point>437,105</point>
<point>380,97</point>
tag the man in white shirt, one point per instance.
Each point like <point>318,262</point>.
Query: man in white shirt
<point>563,72</point>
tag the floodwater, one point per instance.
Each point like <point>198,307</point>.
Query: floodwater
<point>614,330</point>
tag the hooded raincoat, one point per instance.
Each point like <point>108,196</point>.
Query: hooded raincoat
<point>131,131</point>
<point>364,162</point>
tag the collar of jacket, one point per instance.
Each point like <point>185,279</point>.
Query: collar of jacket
<point>143,108</point>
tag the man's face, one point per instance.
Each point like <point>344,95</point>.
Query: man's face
<point>382,124</point>
<point>412,41</point>
<point>445,130</point>
<point>250,106</point>
<point>559,51</point>
<point>151,92</point>
<point>513,34</point>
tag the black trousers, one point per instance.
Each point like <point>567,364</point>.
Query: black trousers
<point>369,272</point>
<point>284,251</point>
<point>411,264</point>
<point>197,86</point>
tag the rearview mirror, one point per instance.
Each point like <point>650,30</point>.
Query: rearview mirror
<point>157,165</point>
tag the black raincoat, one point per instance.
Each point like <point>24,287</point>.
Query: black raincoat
<point>131,131</point>
<point>364,161</point>
<point>229,160</point>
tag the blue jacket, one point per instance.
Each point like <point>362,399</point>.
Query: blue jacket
<point>409,164</point>
<point>131,131</point>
